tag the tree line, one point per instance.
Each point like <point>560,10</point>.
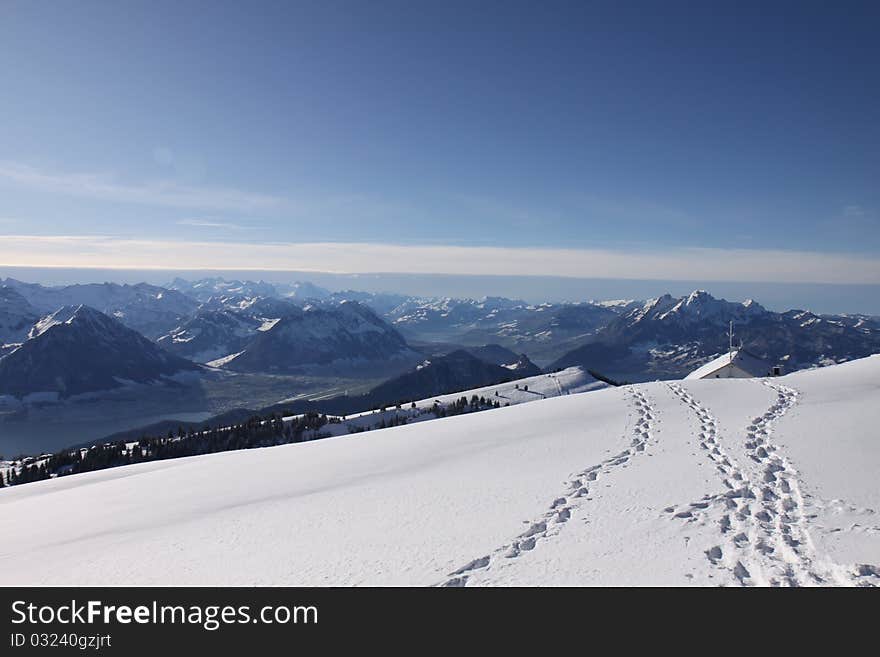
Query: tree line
<point>257,431</point>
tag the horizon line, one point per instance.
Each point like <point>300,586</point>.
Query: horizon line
<point>710,264</point>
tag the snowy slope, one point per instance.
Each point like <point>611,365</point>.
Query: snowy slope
<point>570,381</point>
<point>728,482</point>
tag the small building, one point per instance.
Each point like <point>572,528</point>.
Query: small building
<point>737,364</point>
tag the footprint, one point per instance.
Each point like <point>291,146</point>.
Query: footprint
<point>527,544</point>
<point>740,572</point>
<point>456,581</point>
<point>536,528</point>
<point>714,554</point>
<point>867,570</point>
<point>482,562</point>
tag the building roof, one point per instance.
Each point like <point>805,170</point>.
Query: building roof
<point>740,358</point>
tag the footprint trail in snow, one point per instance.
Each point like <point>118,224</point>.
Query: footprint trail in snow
<point>764,537</point>
<point>568,502</point>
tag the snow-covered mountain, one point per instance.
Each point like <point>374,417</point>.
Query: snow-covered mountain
<point>262,308</point>
<point>381,303</point>
<point>448,318</point>
<point>619,306</point>
<point>544,330</point>
<point>225,326</point>
<point>349,334</point>
<point>17,316</point>
<point>211,334</point>
<point>541,330</point>
<point>78,349</point>
<point>205,288</point>
<point>668,318</point>
<point>670,336</point>
<point>731,482</point>
<point>303,291</point>
<point>148,309</point>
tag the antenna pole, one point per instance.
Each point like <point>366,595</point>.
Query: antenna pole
<point>730,344</point>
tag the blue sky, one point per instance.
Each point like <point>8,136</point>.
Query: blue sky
<point>645,136</point>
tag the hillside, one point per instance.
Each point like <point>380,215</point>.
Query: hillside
<point>734,482</point>
<point>450,376</point>
<point>456,371</point>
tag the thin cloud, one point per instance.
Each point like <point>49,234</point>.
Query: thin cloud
<point>708,264</point>
<point>158,193</point>
<point>209,223</point>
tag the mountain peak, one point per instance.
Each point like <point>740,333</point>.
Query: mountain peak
<point>302,290</point>
<point>752,306</point>
<point>320,336</point>
<point>524,367</point>
<point>699,296</point>
<point>657,305</point>
<point>78,349</point>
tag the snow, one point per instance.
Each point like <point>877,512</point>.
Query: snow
<point>614,303</point>
<point>572,380</point>
<point>697,482</point>
<point>739,358</point>
<point>268,324</point>
<point>64,315</point>
<point>220,362</point>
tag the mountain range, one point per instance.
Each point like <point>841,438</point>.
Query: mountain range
<point>75,372</point>
<point>148,309</point>
<point>668,337</point>
<point>297,328</point>
<point>542,330</point>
